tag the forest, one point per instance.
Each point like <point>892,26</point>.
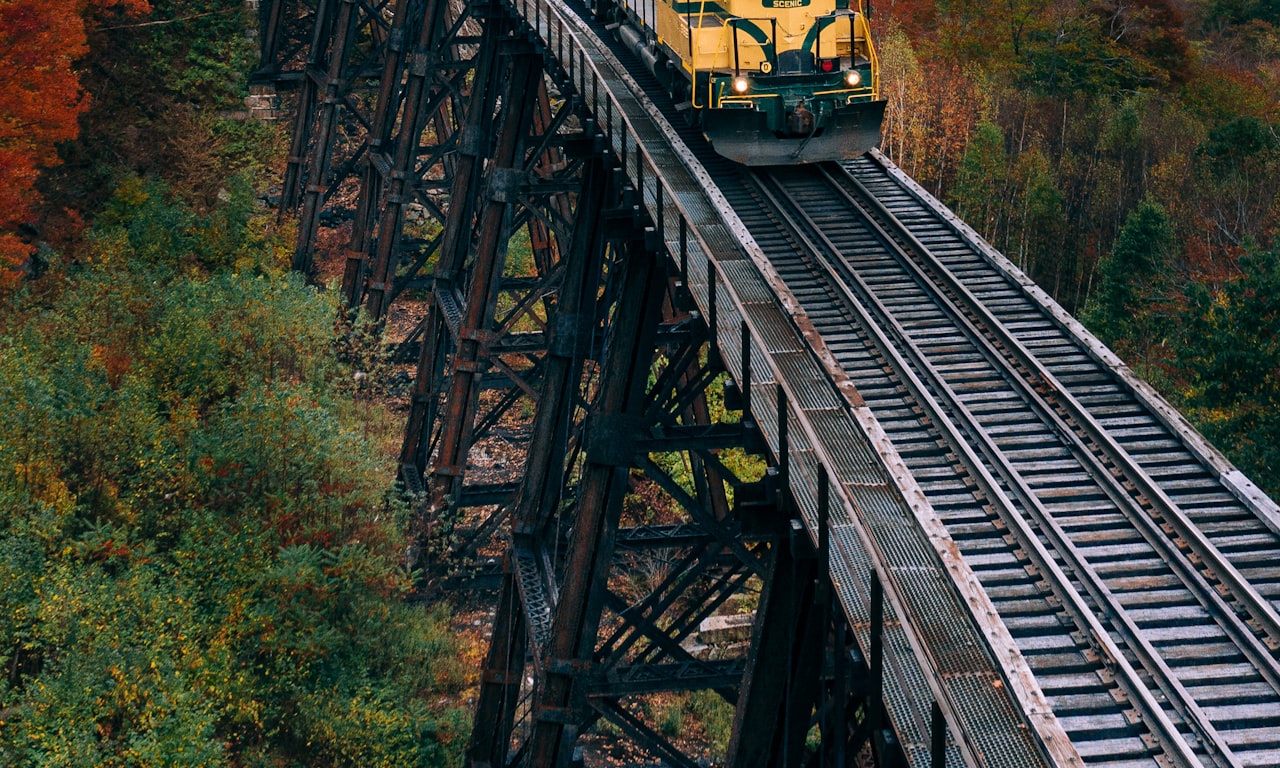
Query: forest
<point>201,560</point>
<point>201,556</point>
<point>1126,155</point>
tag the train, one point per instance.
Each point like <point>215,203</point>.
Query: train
<point>770,82</point>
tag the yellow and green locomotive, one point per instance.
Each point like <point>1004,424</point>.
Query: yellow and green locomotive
<point>772,82</point>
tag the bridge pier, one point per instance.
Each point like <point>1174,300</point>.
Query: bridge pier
<point>395,147</point>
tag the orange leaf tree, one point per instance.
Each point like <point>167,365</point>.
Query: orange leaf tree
<point>40,103</point>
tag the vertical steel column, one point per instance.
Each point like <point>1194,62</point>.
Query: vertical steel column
<point>286,29</point>
<point>604,482</point>
<point>571,326</point>
<point>384,122</point>
<point>540,240</point>
<point>780,686</point>
<point>328,109</point>
<point>308,98</point>
<point>271,18</point>
<point>709,480</point>
<point>399,185</point>
<point>500,679</point>
<point>473,145</point>
<point>544,468</point>
<point>469,359</point>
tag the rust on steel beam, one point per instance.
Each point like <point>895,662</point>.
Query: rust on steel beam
<point>519,336</point>
<point>348,43</point>
<point>500,678</point>
<point>304,114</point>
<point>472,150</point>
<point>328,103</point>
<point>273,30</point>
<point>572,324</point>
<point>543,477</point>
<point>386,110</point>
<point>604,483</point>
<point>285,28</point>
<point>541,243</point>
<point>629,643</point>
<point>780,686</point>
<point>426,83</point>
<point>470,356</point>
<point>462,328</point>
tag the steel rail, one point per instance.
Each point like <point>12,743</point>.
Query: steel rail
<point>716,253</point>
<point>859,301</point>
<point>1180,697</point>
<point>1231,478</point>
<point>1235,627</point>
<point>1260,609</point>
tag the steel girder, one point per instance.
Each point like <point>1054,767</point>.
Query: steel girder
<point>481,347</point>
<point>349,42</point>
<point>408,94</point>
<point>620,373</point>
<point>600,602</point>
<point>285,28</point>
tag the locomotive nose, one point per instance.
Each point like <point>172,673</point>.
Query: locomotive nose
<point>800,121</point>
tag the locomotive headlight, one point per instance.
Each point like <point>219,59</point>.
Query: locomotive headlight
<point>853,78</point>
<point>740,85</point>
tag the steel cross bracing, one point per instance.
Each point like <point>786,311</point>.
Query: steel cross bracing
<point>598,603</point>
<point>588,645</point>
<point>1132,561</point>
<point>993,710</point>
<point>284,32</point>
<point>486,324</point>
<point>349,40</point>
<point>395,101</point>
<point>618,358</point>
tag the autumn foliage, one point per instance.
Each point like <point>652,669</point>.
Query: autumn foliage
<point>1126,155</point>
<point>40,102</point>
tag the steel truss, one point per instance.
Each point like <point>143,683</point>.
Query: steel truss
<point>623,539</point>
<point>481,347</point>
<point>399,110</point>
<point>340,86</point>
<point>284,33</point>
<point>630,526</point>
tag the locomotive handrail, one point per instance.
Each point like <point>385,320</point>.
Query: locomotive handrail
<point>768,48</point>
<point>861,21</point>
<point>822,22</point>
<point>693,59</point>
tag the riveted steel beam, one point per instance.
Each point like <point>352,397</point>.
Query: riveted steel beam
<point>285,30</point>
<point>330,138</point>
<point>571,645</point>
<point>445,308</point>
<point>417,28</point>
<point>500,678</point>
<point>471,354</point>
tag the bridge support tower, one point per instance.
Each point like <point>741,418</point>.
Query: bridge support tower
<point>548,316</point>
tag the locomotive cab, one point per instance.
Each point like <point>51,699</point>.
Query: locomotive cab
<point>796,81</point>
<point>772,82</point>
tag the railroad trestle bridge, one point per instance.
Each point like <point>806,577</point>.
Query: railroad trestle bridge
<point>967,534</point>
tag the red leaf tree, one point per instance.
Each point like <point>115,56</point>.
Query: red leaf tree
<point>40,103</point>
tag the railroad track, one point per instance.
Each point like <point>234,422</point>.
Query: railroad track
<point>1135,584</point>
<point>1139,587</point>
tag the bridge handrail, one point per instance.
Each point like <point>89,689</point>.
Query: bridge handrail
<point>715,253</point>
